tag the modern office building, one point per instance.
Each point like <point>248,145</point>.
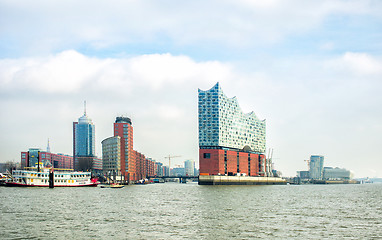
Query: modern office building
<point>331,173</point>
<point>166,171</point>
<point>177,171</point>
<point>316,167</point>
<point>84,137</point>
<point>120,157</point>
<point>189,168</point>
<point>303,174</point>
<point>124,129</point>
<point>318,174</point>
<point>159,169</point>
<point>111,155</point>
<point>230,141</point>
<point>46,159</point>
<point>84,145</point>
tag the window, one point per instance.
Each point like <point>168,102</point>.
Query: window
<point>207,155</point>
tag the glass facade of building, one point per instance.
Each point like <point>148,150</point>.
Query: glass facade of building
<point>230,142</point>
<point>337,173</point>
<point>33,157</point>
<point>111,154</point>
<point>222,123</point>
<point>189,168</point>
<point>46,159</point>
<point>84,137</point>
<point>316,167</point>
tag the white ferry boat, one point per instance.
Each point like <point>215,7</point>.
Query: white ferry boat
<point>62,178</point>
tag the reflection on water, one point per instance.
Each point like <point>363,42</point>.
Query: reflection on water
<point>189,211</point>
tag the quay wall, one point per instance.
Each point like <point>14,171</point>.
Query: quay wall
<point>239,180</point>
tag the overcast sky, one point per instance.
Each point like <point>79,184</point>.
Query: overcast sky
<point>312,69</point>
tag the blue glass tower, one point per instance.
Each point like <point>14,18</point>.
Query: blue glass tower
<point>83,138</point>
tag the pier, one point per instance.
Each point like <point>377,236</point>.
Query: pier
<point>182,179</point>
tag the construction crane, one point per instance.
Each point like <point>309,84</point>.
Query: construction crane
<point>169,162</point>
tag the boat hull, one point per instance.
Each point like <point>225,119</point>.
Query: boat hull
<point>115,186</point>
<point>45,177</point>
<point>13,184</point>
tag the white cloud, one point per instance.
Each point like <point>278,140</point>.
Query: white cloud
<point>106,24</point>
<point>157,69</point>
<point>70,71</point>
<point>64,72</point>
<point>360,64</point>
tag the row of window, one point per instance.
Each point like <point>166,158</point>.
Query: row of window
<point>56,181</point>
<point>55,175</point>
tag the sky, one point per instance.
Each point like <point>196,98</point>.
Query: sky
<point>312,69</point>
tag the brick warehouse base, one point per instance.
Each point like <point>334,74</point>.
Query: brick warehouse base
<point>230,162</point>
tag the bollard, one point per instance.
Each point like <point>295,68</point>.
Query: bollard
<point>51,178</point>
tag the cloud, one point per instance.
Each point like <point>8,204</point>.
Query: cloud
<point>70,71</point>
<point>359,63</point>
<point>157,69</point>
<point>236,24</point>
<point>64,72</point>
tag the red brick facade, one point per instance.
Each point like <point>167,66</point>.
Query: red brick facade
<point>134,165</point>
<point>58,160</point>
<point>218,161</point>
<point>211,161</point>
<point>145,166</point>
<point>128,163</point>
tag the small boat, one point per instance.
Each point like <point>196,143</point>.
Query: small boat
<point>33,177</point>
<point>143,181</point>
<point>3,179</point>
<point>113,185</point>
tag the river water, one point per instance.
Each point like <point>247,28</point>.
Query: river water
<point>190,211</point>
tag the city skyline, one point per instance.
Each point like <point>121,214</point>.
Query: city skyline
<point>311,69</point>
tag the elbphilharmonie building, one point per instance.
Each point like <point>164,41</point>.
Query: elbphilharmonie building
<point>230,141</point>
<point>222,123</point>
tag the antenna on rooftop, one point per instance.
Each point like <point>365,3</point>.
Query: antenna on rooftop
<point>85,107</point>
<point>48,147</point>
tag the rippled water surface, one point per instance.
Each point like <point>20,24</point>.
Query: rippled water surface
<point>189,211</point>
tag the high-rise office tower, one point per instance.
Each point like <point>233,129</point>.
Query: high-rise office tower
<point>124,129</point>
<point>83,142</point>
<point>111,155</point>
<point>189,168</point>
<point>230,141</point>
<point>316,167</point>
<point>120,158</point>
